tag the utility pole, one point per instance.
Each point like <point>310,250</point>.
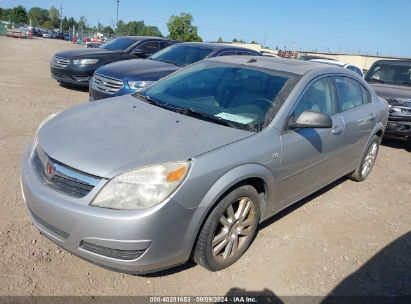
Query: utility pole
<point>118,2</point>
<point>61,18</point>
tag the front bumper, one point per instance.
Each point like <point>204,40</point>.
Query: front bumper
<point>73,75</point>
<point>398,128</point>
<point>137,241</point>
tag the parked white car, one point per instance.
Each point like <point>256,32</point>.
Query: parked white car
<point>342,64</point>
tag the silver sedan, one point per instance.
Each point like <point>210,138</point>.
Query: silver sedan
<point>191,165</point>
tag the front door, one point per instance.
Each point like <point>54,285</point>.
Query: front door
<point>310,157</point>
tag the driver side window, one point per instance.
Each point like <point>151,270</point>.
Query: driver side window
<point>319,97</point>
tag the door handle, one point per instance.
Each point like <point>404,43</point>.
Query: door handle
<point>336,130</point>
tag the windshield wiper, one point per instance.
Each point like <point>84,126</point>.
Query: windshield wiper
<point>193,113</point>
<point>169,61</point>
<point>152,101</point>
<point>188,111</point>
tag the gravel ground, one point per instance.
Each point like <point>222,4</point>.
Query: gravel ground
<point>350,238</point>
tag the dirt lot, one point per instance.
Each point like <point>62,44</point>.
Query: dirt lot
<point>351,238</point>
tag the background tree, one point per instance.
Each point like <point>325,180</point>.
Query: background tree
<point>151,31</point>
<point>182,29</point>
<point>38,15</point>
<point>71,22</point>
<point>48,25</point>
<point>64,23</point>
<point>235,40</point>
<point>136,28</point>
<point>54,16</point>
<point>82,23</point>
<point>18,14</point>
<point>108,30</point>
<point>220,40</point>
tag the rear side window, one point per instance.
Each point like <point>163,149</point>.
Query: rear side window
<point>350,92</point>
<point>150,47</point>
<point>164,44</point>
<point>244,53</point>
<point>366,95</point>
<point>228,53</point>
<point>319,97</point>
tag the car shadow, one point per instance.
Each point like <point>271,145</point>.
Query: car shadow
<point>169,271</point>
<point>385,278</point>
<point>397,143</point>
<point>73,88</point>
<point>312,136</point>
<point>388,273</point>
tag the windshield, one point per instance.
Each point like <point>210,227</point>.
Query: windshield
<point>120,43</point>
<point>181,55</point>
<point>241,97</point>
<point>390,74</point>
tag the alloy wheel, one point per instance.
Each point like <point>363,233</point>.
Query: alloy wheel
<point>369,159</point>
<point>235,227</point>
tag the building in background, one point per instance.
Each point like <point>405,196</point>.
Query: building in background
<point>362,61</point>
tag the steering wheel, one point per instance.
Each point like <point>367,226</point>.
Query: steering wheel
<point>259,102</point>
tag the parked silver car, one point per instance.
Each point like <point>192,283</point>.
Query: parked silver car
<point>191,165</point>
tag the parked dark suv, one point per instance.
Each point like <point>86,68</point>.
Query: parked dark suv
<point>120,78</point>
<point>76,67</point>
<point>391,79</point>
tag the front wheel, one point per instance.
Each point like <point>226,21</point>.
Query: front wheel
<point>367,160</point>
<point>229,229</point>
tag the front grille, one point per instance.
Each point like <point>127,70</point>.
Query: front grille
<point>61,177</point>
<point>106,84</point>
<point>62,76</point>
<point>111,252</point>
<point>59,62</point>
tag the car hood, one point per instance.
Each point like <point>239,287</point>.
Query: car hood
<point>119,134</point>
<point>391,91</point>
<point>137,69</point>
<point>87,52</point>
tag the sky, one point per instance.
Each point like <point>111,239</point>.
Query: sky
<point>349,26</point>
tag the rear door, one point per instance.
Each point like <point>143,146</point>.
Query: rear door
<point>149,48</point>
<point>310,157</point>
<point>358,112</point>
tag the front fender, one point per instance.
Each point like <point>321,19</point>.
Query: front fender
<point>235,176</point>
<point>224,183</point>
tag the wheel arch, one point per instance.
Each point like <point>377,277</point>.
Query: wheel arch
<point>255,175</point>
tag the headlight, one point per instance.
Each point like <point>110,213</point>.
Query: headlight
<point>139,85</point>
<point>85,61</point>
<point>142,188</point>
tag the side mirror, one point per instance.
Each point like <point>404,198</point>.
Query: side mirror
<point>308,119</point>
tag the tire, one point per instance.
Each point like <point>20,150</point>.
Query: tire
<point>367,160</point>
<point>408,145</point>
<point>232,233</point>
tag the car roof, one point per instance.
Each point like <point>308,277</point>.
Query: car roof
<point>216,46</point>
<point>330,61</point>
<point>138,38</point>
<point>406,62</point>
<point>293,66</point>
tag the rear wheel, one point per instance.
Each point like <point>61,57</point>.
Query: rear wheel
<point>229,229</point>
<point>367,160</point>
